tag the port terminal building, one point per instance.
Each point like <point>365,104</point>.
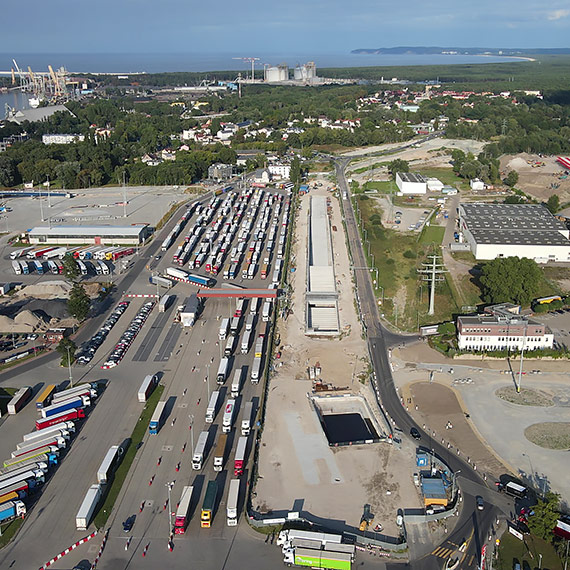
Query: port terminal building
<point>89,235</point>
<point>521,230</point>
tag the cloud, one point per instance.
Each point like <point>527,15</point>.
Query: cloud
<point>558,14</point>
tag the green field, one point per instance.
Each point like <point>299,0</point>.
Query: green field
<point>432,234</point>
<point>526,553</point>
<point>398,256</point>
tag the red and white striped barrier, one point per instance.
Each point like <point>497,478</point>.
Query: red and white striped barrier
<point>94,565</point>
<point>155,296</point>
<point>68,550</point>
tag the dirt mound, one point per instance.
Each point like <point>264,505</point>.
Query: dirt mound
<point>518,163</point>
<point>24,322</point>
<point>46,290</point>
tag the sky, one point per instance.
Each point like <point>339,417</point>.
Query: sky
<point>290,26</point>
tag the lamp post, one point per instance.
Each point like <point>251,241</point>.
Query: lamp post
<point>208,379</point>
<point>192,432</point>
<point>69,368</point>
<point>169,487</point>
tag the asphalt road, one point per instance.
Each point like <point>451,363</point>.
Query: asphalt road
<point>380,340</point>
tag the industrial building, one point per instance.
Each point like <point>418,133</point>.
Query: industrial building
<point>276,73</point>
<point>321,297</point>
<point>84,235</point>
<point>521,230</point>
<point>306,72</point>
<point>410,183</point>
<point>501,327</point>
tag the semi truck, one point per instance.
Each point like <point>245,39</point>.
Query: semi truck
<point>228,416</point>
<point>208,504</point>
<point>222,370</point>
<point>17,267</point>
<point>189,313</point>
<point>322,537</point>
<point>42,435</point>
<point>259,347</point>
<point>77,391</point>
<point>220,451</point>
<point>232,504</point>
<point>183,511</point>
<point>245,342</point>
<point>16,472</point>
<point>156,419</point>
<point>223,332</point>
<point>229,348</point>
<point>164,303</point>
<point>255,370</point>
<point>69,415</point>
<point>109,463</point>
<point>160,281</point>
<point>250,321</point>
<point>51,441</point>
<point>199,451</point>
<point>266,311</point>
<point>68,427</point>
<point>234,325</point>
<point>147,387</point>
<point>65,405</point>
<point>48,453</point>
<point>317,559</point>
<point>19,400</point>
<point>32,478</point>
<point>12,510</point>
<point>212,405</point>
<point>239,460</point>
<point>236,382</point>
<point>88,506</point>
<point>246,418</point>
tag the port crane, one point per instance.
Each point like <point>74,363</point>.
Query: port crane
<point>252,60</point>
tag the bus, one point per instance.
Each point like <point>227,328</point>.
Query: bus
<point>45,397</point>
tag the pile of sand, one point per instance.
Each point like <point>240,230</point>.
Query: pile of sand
<point>46,290</point>
<point>24,322</point>
<point>518,163</point>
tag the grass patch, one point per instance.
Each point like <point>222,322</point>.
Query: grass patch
<point>526,553</point>
<point>446,175</point>
<point>10,531</point>
<point>370,167</point>
<point>382,186</point>
<point>432,234</point>
<point>122,471</point>
<point>550,435</point>
<point>526,397</point>
<point>465,256</point>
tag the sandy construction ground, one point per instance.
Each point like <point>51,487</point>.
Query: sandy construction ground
<point>298,470</point>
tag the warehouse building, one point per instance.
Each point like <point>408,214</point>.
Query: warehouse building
<point>501,327</point>
<point>410,183</point>
<point>85,235</point>
<point>521,230</point>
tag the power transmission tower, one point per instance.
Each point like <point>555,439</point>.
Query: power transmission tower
<point>432,272</point>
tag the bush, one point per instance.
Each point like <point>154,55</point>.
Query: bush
<point>409,254</point>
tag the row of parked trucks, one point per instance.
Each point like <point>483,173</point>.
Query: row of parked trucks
<point>25,471</point>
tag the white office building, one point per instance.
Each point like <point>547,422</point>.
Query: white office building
<point>410,183</point>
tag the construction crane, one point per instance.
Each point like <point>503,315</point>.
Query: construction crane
<point>24,84</point>
<point>252,60</point>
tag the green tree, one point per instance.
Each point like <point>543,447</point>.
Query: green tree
<point>66,348</point>
<point>512,178</point>
<point>8,171</point>
<point>398,165</point>
<point>546,513</point>
<point>79,302</point>
<point>70,267</point>
<point>295,173</point>
<point>553,203</point>
<point>510,279</point>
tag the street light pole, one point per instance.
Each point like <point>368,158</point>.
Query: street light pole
<point>69,368</point>
<point>208,379</point>
<point>169,487</point>
<point>192,432</point>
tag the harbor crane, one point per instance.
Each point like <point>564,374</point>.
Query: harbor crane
<point>252,60</point>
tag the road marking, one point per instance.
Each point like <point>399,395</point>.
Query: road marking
<point>470,560</point>
<point>442,552</point>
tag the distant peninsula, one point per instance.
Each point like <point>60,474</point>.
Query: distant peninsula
<point>422,50</point>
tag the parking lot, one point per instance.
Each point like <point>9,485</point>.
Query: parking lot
<point>186,359</point>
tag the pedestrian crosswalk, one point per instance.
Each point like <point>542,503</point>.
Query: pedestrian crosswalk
<point>443,551</point>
